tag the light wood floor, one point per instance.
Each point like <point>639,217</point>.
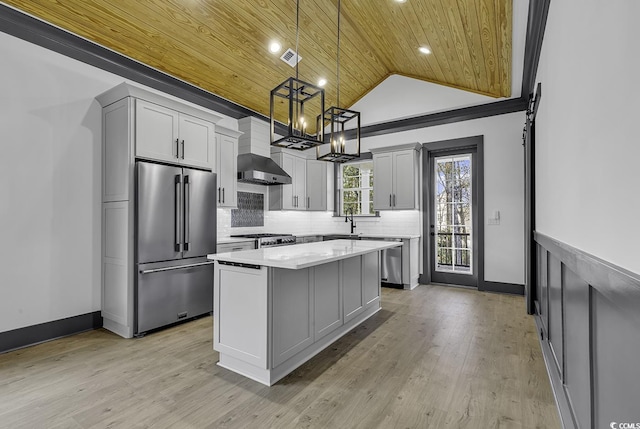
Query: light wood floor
<point>435,357</point>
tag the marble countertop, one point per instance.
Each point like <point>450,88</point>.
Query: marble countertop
<point>305,255</point>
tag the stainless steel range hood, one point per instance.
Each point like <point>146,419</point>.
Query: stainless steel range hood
<point>254,164</point>
<point>260,170</point>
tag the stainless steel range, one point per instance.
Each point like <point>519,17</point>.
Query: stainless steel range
<point>270,240</point>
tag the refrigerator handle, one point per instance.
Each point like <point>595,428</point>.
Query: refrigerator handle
<point>187,210</point>
<point>177,182</point>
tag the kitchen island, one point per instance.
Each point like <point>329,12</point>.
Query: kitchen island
<point>275,308</point>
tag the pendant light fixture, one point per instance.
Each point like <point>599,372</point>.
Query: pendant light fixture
<point>304,101</point>
<point>338,120</point>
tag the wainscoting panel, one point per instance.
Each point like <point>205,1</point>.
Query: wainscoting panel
<point>542,303</point>
<point>556,330</point>
<point>588,312</point>
<point>616,372</point>
<point>577,346</point>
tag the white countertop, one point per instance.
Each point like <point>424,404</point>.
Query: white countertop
<point>401,236</point>
<point>305,255</point>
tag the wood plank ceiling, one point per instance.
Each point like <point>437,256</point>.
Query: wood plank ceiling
<point>222,45</point>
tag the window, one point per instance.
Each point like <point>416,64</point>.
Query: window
<point>356,192</point>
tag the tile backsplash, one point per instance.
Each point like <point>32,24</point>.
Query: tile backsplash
<point>294,222</point>
<point>250,211</point>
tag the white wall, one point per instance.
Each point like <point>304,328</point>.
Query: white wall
<point>587,147</point>
<point>50,164</point>
<point>503,185</point>
<point>50,187</point>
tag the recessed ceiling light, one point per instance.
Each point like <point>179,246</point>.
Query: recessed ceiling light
<point>274,47</point>
<point>322,82</point>
<point>424,50</point>
<point>401,1</point>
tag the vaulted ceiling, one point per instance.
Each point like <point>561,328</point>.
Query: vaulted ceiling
<point>222,45</point>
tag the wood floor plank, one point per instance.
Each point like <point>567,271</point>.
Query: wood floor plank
<point>434,357</point>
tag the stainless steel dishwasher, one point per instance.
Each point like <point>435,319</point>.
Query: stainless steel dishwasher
<point>391,270</point>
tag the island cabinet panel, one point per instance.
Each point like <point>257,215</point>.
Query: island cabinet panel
<point>353,301</point>
<point>371,272</point>
<point>292,315</point>
<point>240,306</point>
<point>327,298</point>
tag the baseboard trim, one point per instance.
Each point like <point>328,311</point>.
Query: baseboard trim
<point>35,334</point>
<point>560,395</point>
<point>510,288</point>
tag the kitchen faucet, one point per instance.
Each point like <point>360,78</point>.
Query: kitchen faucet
<point>346,219</point>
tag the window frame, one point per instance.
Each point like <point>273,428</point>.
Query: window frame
<point>339,190</point>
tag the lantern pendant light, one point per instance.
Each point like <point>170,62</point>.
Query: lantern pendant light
<point>339,121</point>
<point>304,102</point>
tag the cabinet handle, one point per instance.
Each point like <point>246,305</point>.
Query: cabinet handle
<point>308,202</point>
<point>182,149</point>
<point>394,200</point>
<point>177,148</point>
<point>390,205</point>
<point>219,198</point>
<point>222,195</point>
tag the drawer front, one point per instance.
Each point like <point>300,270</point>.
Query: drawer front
<point>234,247</point>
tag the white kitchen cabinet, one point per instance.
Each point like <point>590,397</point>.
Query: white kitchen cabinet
<point>292,196</point>
<point>308,188</point>
<point>316,185</point>
<point>395,177</point>
<point>140,124</point>
<point>227,166</point>
<point>164,134</point>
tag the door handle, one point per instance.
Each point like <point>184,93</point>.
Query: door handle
<point>177,183</point>
<point>187,211</point>
<point>182,149</point>
<point>176,267</point>
<point>177,148</point>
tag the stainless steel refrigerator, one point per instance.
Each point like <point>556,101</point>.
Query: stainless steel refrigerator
<point>175,230</point>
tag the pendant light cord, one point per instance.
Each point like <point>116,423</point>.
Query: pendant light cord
<point>297,35</point>
<point>338,59</point>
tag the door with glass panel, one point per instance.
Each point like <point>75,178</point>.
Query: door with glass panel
<point>452,232</point>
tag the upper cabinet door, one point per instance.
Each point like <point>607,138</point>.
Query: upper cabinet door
<point>196,140</point>
<point>156,132</point>
<point>227,169</point>
<point>383,181</point>
<point>288,192</point>
<point>404,180</point>
<point>300,183</point>
<point>316,185</point>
